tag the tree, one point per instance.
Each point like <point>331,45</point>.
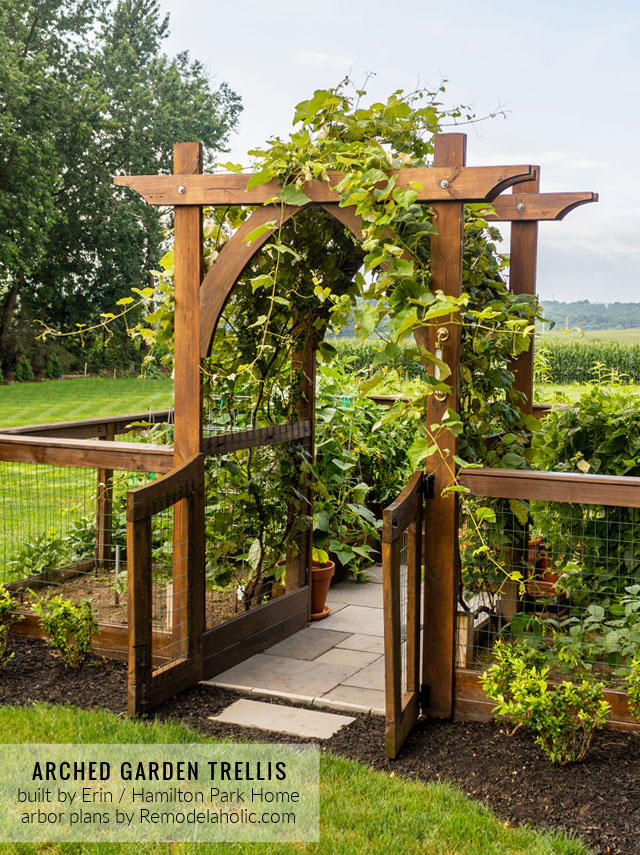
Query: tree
<point>87,93</point>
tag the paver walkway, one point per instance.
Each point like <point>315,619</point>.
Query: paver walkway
<point>337,663</point>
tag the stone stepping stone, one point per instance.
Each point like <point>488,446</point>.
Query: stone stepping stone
<point>280,719</point>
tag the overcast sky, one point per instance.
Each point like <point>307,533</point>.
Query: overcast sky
<point>568,73</point>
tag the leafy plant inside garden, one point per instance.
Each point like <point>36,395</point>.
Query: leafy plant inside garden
<point>8,616</point>
<point>563,717</point>
<point>68,626</point>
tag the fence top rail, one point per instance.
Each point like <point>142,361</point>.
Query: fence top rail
<point>401,513</point>
<point>88,453</point>
<point>87,428</point>
<point>574,487</point>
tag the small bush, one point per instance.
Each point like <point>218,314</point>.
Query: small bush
<point>8,616</point>
<point>24,371</point>
<point>68,627</point>
<point>633,687</point>
<point>53,369</point>
<point>563,717</point>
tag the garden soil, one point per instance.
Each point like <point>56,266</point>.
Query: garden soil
<point>598,799</point>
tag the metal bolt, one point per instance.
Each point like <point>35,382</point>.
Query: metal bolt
<point>444,183</point>
<point>520,206</point>
<point>182,189</point>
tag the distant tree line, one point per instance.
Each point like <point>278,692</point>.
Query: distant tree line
<point>86,92</point>
<point>592,316</point>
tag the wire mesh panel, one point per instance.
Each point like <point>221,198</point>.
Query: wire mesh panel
<point>63,532</point>
<point>257,519</point>
<point>165,539</point>
<point>402,564</point>
<point>562,577</point>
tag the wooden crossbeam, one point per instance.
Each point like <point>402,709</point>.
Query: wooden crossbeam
<point>438,183</point>
<point>516,207</point>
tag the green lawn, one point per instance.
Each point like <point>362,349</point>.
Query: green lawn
<point>83,398</point>
<point>363,812</point>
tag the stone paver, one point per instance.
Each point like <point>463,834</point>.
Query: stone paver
<point>368,643</point>
<point>353,698</point>
<point>366,620</point>
<point>355,594</point>
<point>371,677</point>
<point>375,573</point>
<point>274,717</point>
<point>309,643</point>
<point>343,656</point>
<point>282,674</point>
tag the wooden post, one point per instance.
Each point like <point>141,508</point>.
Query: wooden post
<point>441,539</point>
<point>187,159</point>
<point>104,509</point>
<point>305,362</point>
<point>522,280</point>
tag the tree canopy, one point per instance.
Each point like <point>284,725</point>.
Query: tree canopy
<point>87,92</point>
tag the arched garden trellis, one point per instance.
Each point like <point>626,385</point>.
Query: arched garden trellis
<point>163,663</point>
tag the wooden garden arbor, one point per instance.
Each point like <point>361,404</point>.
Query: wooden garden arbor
<point>199,302</point>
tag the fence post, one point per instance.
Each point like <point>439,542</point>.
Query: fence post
<point>187,159</point>
<point>441,536</point>
<point>104,508</point>
<point>522,280</point>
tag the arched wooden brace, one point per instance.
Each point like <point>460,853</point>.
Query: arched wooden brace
<point>234,256</point>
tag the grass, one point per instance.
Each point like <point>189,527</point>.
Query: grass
<point>363,812</point>
<point>35,499</point>
<point>82,398</point>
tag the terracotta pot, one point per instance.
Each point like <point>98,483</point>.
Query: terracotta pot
<point>321,575</point>
<point>540,559</point>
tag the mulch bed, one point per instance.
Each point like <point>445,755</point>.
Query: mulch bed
<point>598,799</point>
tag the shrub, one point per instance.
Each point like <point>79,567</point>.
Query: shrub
<point>8,616</point>
<point>633,686</point>
<point>24,371</point>
<point>563,717</point>
<point>54,367</point>
<point>68,627</point>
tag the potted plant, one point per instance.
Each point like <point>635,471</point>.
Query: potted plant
<point>542,584</point>
<point>322,571</point>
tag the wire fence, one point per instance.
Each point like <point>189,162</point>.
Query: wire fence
<point>561,577</point>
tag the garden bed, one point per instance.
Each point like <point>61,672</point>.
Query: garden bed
<point>598,799</point>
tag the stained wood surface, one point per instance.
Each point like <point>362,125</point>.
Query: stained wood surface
<point>441,529</point>
<point>89,428</point>
<point>471,184</point>
<point>258,437</point>
<point>537,206</point>
<point>404,516</point>
<point>397,516</point>
<point>235,640</point>
<point>615,490</point>
<point>92,454</point>
<point>163,493</point>
<point>523,256</point>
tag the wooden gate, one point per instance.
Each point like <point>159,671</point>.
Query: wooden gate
<point>166,591</point>
<point>402,564</point>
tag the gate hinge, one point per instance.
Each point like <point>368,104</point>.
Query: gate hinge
<point>428,486</point>
<point>425,697</point>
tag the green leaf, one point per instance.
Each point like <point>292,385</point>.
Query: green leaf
<point>259,231</point>
<point>291,195</point>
